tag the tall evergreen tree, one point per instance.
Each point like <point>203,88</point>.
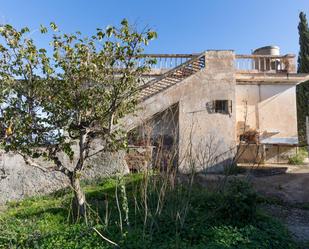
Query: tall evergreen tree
<point>302,90</point>
<point>303,56</point>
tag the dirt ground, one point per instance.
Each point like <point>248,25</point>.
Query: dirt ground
<point>287,185</point>
<point>290,186</point>
<point>296,220</point>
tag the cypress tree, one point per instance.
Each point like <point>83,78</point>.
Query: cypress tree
<point>303,56</point>
<point>302,90</point>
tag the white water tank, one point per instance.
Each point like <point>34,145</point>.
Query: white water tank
<point>267,50</point>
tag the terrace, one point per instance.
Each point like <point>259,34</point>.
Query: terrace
<point>243,63</point>
<point>249,69</point>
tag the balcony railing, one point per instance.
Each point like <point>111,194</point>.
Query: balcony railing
<point>243,63</point>
<point>167,61</point>
<point>265,63</point>
<point>173,76</point>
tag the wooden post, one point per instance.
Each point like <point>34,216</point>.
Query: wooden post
<point>307,132</point>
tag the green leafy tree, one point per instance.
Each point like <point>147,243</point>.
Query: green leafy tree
<point>303,67</point>
<point>57,107</point>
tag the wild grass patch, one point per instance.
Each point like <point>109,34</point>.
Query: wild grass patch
<point>145,211</point>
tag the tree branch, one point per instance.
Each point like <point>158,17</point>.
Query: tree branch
<point>29,161</point>
<point>57,162</point>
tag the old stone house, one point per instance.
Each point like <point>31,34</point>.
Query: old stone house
<point>227,107</point>
<point>204,110</point>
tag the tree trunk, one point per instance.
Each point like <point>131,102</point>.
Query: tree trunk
<point>79,200</point>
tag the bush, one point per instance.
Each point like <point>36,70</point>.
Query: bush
<point>298,158</point>
<point>240,203</point>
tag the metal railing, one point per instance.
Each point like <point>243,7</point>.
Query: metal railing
<point>173,76</point>
<point>166,61</point>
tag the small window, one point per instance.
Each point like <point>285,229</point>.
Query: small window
<point>223,106</point>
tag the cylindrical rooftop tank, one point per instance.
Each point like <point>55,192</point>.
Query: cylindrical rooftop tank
<point>267,50</point>
<point>266,63</point>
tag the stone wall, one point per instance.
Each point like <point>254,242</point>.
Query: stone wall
<point>19,180</point>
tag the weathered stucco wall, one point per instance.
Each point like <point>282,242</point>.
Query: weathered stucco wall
<point>211,134</point>
<point>270,108</point>
<point>208,132</point>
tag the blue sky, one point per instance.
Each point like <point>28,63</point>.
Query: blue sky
<point>183,26</point>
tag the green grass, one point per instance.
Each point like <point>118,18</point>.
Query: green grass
<point>226,220</point>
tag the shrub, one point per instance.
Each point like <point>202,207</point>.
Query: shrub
<point>240,203</point>
<point>298,158</point>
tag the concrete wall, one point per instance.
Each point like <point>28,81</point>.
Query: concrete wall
<point>271,108</point>
<point>212,135</point>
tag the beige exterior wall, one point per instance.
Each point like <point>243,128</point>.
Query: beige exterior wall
<point>271,108</point>
<point>213,133</point>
